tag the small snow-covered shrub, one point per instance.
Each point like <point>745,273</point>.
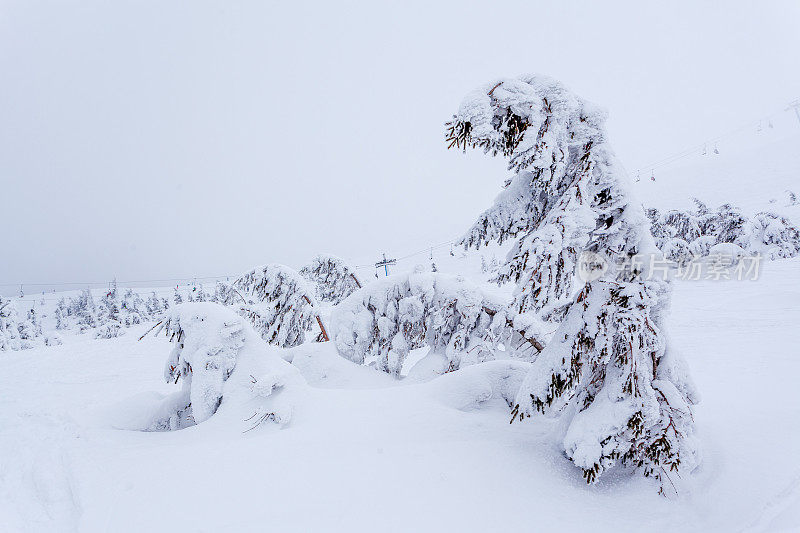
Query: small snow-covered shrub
<point>727,223</point>
<point>770,235</point>
<point>386,319</point>
<point>221,293</point>
<point>279,304</point>
<point>222,362</point>
<point>333,279</point>
<point>53,339</point>
<point>684,225</point>
<point>9,329</point>
<point>677,250</point>
<point>83,311</point>
<point>133,309</point>
<point>766,234</point>
<point>109,330</point>
<point>29,329</point>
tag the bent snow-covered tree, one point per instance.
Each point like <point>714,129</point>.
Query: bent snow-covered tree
<point>222,362</point>
<point>279,304</point>
<point>608,367</point>
<point>332,278</point>
<point>385,320</point>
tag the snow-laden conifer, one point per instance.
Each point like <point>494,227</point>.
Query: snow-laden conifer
<point>382,322</point>
<point>9,328</point>
<point>691,234</point>
<point>110,305</point>
<point>333,279</point>
<point>221,292</point>
<point>677,250</point>
<point>770,235</point>
<point>31,327</point>
<point>133,309</point>
<point>279,304</point>
<point>83,311</point>
<point>155,305</point>
<point>607,368</point>
<point>61,314</point>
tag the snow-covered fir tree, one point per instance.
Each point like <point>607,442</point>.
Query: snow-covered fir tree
<point>31,327</point>
<point>608,369</point>
<point>382,322</point>
<point>177,298</point>
<point>727,223</point>
<point>9,328</point>
<point>154,305</point>
<point>133,309</point>
<point>111,301</point>
<point>61,313</point>
<point>200,295</point>
<point>333,279</point>
<point>84,311</point>
<point>221,292</point>
<point>279,304</point>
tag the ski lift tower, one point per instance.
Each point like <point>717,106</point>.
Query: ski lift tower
<point>385,264</point>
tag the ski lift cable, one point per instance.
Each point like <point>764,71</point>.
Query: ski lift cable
<point>669,159</point>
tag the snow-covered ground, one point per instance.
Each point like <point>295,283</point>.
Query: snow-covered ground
<point>367,452</point>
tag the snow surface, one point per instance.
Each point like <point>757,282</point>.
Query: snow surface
<point>369,452</point>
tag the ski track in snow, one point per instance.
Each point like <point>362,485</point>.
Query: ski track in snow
<point>368,452</point>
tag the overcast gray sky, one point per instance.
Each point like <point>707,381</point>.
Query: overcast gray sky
<point>147,140</point>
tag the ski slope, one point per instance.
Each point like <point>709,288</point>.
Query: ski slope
<point>753,170</point>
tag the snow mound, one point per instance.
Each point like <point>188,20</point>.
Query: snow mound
<point>471,387</point>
